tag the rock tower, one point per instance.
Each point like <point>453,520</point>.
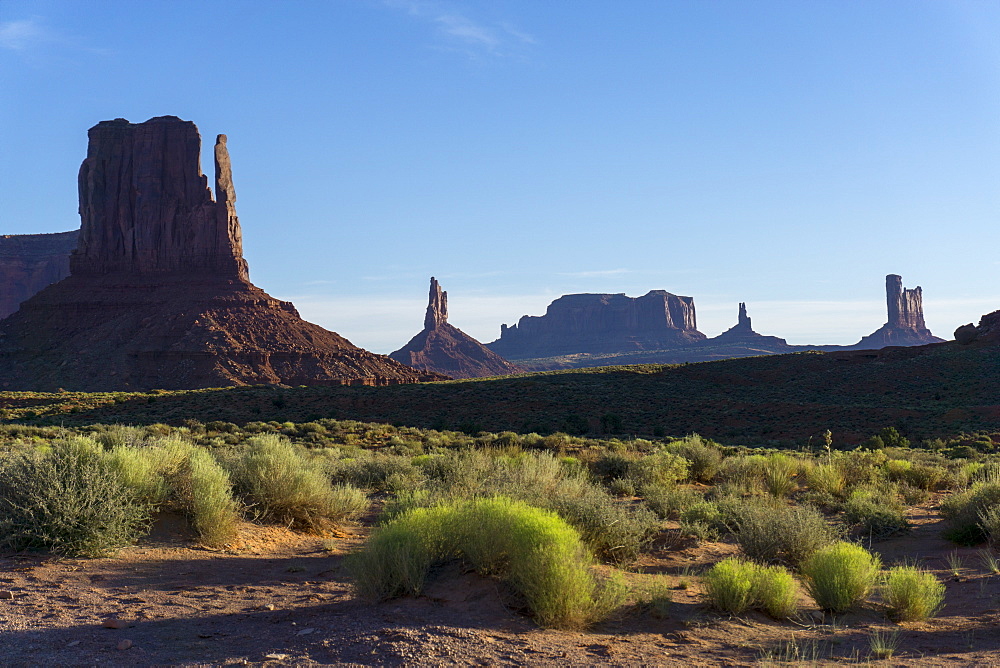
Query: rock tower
<point>905,325</point>
<point>445,349</point>
<point>159,295</point>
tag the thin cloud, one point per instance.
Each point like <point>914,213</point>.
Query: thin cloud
<point>518,34</point>
<point>467,31</point>
<point>462,33</point>
<point>20,35</point>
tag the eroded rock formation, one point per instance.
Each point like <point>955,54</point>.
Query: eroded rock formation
<point>602,323</point>
<point>742,334</point>
<point>158,294</point>
<point>145,206</point>
<point>445,349</point>
<point>905,325</point>
<point>987,331</point>
<point>30,262</point>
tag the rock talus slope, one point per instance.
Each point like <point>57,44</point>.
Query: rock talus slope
<point>444,348</point>
<point>159,295</point>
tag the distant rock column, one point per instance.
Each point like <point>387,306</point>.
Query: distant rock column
<point>906,308</point>
<point>743,321</point>
<point>437,307</point>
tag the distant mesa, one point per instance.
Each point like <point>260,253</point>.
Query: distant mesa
<point>905,325</point>
<point>30,262</point>
<point>602,323</point>
<point>158,294</point>
<point>443,348</point>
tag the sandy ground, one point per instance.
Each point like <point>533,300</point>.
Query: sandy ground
<point>283,599</point>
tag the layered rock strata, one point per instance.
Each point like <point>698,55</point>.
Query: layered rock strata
<point>905,325</point>
<point>445,349</point>
<point>158,294</point>
<point>602,323</point>
<point>30,262</point>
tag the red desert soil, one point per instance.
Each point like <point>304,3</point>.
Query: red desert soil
<point>281,598</point>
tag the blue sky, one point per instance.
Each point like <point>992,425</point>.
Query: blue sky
<point>786,154</point>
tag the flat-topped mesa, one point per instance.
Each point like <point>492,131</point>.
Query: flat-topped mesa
<point>146,208</point>
<point>437,307</point>
<point>602,323</point>
<point>905,325</point>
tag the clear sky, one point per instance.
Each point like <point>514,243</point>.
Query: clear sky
<point>785,154</point>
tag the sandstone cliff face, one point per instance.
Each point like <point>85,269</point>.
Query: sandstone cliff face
<point>30,262</point>
<point>145,206</point>
<point>158,295</point>
<point>445,349</point>
<point>602,323</point>
<point>905,325</point>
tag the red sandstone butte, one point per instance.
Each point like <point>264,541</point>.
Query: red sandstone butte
<point>159,295</point>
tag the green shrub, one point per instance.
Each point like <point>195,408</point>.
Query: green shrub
<point>668,501</point>
<point>776,591</point>
<point>840,576</point>
<point>285,486</point>
<point>70,500</point>
<point>876,511</point>
<point>774,532</point>
<point>989,523</point>
<point>965,511</point>
<point>214,513</point>
<point>729,585</point>
<point>540,555</point>
<point>616,533</point>
<point>912,594</point>
<point>861,467</point>
<point>734,586</point>
<point>703,457</point>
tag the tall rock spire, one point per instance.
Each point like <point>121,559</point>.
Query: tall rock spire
<point>437,307</point>
<point>145,206</point>
<point>905,322</point>
<point>443,348</point>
